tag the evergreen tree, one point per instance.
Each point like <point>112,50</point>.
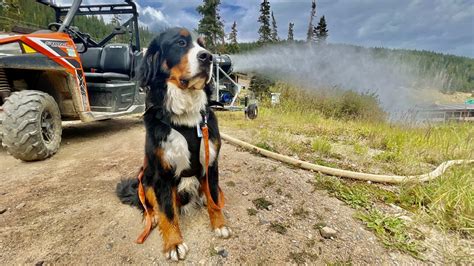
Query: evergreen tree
<point>290,32</point>
<point>274,30</point>
<point>264,19</point>
<point>233,46</point>
<point>314,38</point>
<point>12,13</point>
<point>260,85</point>
<point>116,20</point>
<point>28,13</point>
<point>310,34</point>
<point>321,30</point>
<point>211,24</point>
<point>233,34</point>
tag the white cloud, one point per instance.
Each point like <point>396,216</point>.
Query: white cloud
<point>439,25</point>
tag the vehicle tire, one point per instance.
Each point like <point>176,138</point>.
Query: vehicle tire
<point>32,125</point>
<point>252,111</point>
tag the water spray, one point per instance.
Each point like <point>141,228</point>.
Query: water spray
<point>343,67</point>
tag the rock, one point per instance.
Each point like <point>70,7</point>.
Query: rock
<point>226,214</point>
<point>223,253</point>
<point>39,263</point>
<point>309,236</point>
<point>2,210</point>
<point>262,220</point>
<point>109,246</point>
<point>245,193</point>
<point>21,205</point>
<point>327,232</point>
<point>270,207</point>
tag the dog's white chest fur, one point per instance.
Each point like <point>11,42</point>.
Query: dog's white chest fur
<point>185,106</point>
<point>176,152</point>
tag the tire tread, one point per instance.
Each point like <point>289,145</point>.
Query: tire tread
<point>21,136</point>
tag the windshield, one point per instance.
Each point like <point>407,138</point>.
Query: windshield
<point>70,15</point>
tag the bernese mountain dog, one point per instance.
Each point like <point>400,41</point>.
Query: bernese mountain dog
<point>176,72</point>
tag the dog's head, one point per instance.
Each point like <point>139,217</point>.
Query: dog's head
<point>176,56</point>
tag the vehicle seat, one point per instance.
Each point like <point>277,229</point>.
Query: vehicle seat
<point>114,64</point>
<point>91,59</point>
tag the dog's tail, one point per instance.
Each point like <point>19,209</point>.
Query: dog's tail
<point>127,192</point>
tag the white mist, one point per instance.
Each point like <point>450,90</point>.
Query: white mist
<point>316,67</point>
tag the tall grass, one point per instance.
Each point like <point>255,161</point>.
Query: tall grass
<point>317,129</point>
<point>447,202</point>
<point>331,102</point>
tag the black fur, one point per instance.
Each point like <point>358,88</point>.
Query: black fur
<point>158,126</point>
<point>127,192</point>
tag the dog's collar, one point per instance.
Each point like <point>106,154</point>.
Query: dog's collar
<point>205,117</point>
<point>159,115</point>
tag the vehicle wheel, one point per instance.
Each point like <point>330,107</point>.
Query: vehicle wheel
<point>252,111</point>
<point>32,125</point>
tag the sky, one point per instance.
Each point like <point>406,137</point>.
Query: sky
<point>445,26</point>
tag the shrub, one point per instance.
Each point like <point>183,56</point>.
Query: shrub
<point>330,102</point>
<point>321,146</point>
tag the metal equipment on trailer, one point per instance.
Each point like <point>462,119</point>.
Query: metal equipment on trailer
<point>227,90</point>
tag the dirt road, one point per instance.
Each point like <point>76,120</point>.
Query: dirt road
<point>64,210</point>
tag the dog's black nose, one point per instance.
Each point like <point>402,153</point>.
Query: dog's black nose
<point>204,56</point>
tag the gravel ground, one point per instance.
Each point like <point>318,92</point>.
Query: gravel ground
<point>64,210</point>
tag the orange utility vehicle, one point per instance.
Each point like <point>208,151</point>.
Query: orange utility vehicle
<point>63,74</point>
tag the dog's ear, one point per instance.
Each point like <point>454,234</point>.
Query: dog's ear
<point>150,65</point>
<point>210,88</point>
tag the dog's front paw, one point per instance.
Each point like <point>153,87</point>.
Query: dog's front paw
<point>223,232</point>
<point>178,252</point>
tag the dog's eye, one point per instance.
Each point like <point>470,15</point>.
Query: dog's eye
<point>182,43</point>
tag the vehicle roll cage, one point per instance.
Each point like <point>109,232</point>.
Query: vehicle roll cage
<point>129,7</point>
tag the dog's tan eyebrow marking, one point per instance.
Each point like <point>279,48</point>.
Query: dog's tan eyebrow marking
<point>184,32</point>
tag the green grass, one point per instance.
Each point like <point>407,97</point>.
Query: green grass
<point>261,203</point>
<point>265,146</point>
<point>302,257</point>
<point>252,211</point>
<point>392,231</point>
<point>447,202</point>
<point>391,148</point>
<point>278,228</point>
<point>321,146</point>
<point>316,129</point>
<point>360,149</point>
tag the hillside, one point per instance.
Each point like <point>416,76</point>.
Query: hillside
<point>456,72</point>
<point>39,16</point>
